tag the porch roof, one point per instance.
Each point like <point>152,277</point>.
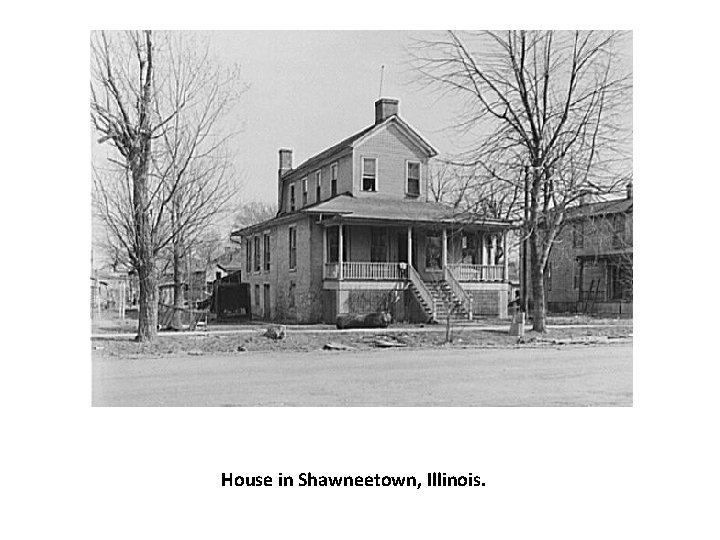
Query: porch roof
<point>398,211</point>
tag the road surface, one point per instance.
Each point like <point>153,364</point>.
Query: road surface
<point>565,376</point>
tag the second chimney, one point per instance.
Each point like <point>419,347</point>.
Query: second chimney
<point>385,108</point>
<point>284,165</point>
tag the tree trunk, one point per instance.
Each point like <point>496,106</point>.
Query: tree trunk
<point>537,283</point>
<point>148,310</point>
<point>178,288</point>
<point>146,264</point>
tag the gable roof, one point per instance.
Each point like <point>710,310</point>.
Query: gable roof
<point>350,142</point>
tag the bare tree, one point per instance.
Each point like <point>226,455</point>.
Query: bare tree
<point>253,212</point>
<point>546,109</point>
<point>160,108</point>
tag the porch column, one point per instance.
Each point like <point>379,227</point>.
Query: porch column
<point>483,247</point>
<point>409,245</point>
<point>324,256</point>
<point>340,251</point>
<point>444,248</point>
<point>493,248</point>
<point>506,261</point>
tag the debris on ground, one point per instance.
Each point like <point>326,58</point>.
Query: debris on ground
<point>276,331</point>
<point>242,348</point>
<point>332,346</point>
<point>388,341</point>
<point>369,320</point>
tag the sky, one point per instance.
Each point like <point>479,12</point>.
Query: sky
<point>309,90</point>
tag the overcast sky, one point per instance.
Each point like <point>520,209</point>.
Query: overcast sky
<point>309,90</point>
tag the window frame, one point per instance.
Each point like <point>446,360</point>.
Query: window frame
<point>362,175</point>
<point>248,254</point>
<point>409,193</point>
<point>318,185</point>
<point>291,198</point>
<point>305,191</point>
<point>333,179</point>
<point>292,247</point>
<point>266,251</point>
<point>578,231</point>
<point>256,254</point>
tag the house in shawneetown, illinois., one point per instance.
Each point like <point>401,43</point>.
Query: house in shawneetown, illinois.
<point>356,233</point>
<point>590,268</point>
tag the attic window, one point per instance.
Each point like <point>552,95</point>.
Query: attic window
<point>292,197</point>
<point>304,191</point>
<point>318,185</point>
<point>369,174</point>
<point>413,178</point>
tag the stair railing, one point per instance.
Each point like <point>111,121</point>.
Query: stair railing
<point>458,291</point>
<point>422,290</point>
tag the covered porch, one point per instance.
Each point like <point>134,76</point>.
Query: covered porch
<point>379,252</point>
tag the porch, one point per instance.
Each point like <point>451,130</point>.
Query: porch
<point>382,253</point>
<point>450,271</point>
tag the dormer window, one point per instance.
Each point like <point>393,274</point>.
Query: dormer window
<point>412,176</point>
<point>304,192</point>
<point>369,174</point>
<point>292,197</point>
<point>318,185</point>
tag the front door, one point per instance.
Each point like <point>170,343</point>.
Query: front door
<point>266,301</point>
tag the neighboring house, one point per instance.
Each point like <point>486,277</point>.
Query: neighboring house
<point>590,268</point>
<point>355,233</point>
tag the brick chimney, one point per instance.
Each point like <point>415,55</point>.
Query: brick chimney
<point>385,108</point>
<point>628,189</point>
<point>284,165</point>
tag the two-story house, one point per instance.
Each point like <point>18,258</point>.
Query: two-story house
<point>356,233</point>
<point>590,268</point>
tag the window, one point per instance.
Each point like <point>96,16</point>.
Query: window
<point>378,245</point>
<point>292,197</point>
<point>292,247</point>
<point>579,235</point>
<point>304,187</point>
<point>333,179</point>
<point>548,276</point>
<point>369,174</point>
<point>318,185</point>
<point>413,178</point>
<point>256,253</point>
<point>266,252</point>
<point>618,230</point>
<point>576,275</point>
<point>257,294</point>
<point>248,255</point>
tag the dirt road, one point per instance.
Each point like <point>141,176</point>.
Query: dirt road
<point>584,375</point>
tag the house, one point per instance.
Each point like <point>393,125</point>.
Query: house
<point>356,232</point>
<point>590,268</point>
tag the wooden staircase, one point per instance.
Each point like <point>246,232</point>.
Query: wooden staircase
<point>441,301</point>
<point>446,302</point>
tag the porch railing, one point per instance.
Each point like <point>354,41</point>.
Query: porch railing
<point>422,290</point>
<point>367,271</point>
<point>478,272</point>
<point>458,291</point>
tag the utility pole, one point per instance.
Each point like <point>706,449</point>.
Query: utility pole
<point>524,247</point>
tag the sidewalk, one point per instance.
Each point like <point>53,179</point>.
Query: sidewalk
<point>320,328</point>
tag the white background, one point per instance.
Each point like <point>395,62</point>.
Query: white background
<point>72,471</point>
